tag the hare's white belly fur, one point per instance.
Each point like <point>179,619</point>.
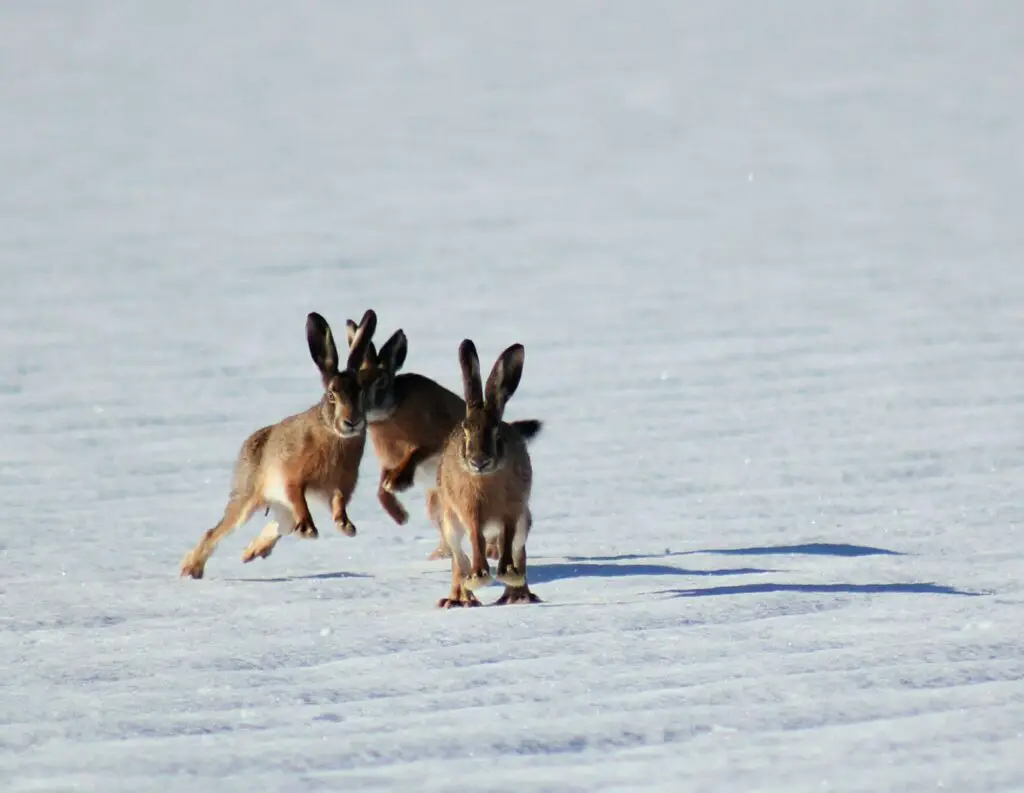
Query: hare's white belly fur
<point>426,472</point>
<point>491,531</point>
<point>276,498</point>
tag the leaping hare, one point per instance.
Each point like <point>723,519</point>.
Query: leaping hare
<point>410,417</point>
<point>316,452</point>
<point>484,479</point>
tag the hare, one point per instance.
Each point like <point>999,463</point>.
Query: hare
<point>483,480</point>
<point>316,452</point>
<point>410,417</point>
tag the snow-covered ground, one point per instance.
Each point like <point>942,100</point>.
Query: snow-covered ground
<point>768,264</point>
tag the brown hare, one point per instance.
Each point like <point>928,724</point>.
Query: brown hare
<point>483,484</point>
<point>316,452</point>
<point>410,417</point>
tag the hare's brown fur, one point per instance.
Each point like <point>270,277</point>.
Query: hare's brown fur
<point>484,479</point>
<point>425,413</point>
<point>304,454</point>
<point>410,417</point>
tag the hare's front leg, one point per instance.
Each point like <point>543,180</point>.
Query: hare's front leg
<point>402,476</point>
<point>480,572</point>
<point>508,571</point>
<point>514,544</point>
<point>459,594</point>
<point>341,518</point>
<point>295,494</point>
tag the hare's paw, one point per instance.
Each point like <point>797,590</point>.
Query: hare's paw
<point>346,527</point>
<point>257,550</point>
<point>192,565</point>
<point>478,579</point>
<point>440,552</point>
<point>510,576</point>
<point>516,594</point>
<point>392,506</point>
<point>387,482</point>
<point>307,530</point>
<point>464,599</point>
<point>401,481</point>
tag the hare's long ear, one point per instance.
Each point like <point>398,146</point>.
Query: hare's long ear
<point>470,363</point>
<point>504,380</point>
<point>321,344</point>
<point>392,354</point>
<point>371,352</point>
<point>361,340</point>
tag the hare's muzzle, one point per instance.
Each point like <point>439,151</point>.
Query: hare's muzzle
<point>481,464</point>
<point>350,429</point>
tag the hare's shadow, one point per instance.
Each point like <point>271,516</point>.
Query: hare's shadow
<point>811,549</point>
<point>622,565</point>
<point>284,579</point>
<point>908,588</point>
<point>546,572</point>
<point>804,549</point>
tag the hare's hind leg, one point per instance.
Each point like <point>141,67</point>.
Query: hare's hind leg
<point>387,499</point>
<point>236,513</point>
<point>434,510</point>
<point>261,547</point>
<point>517,590</point>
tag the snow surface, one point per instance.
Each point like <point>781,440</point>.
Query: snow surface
<point>766,260</point>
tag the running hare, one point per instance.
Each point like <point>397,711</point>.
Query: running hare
<point>410,417</point>
<point>316,452</point>
<point>484,479</point>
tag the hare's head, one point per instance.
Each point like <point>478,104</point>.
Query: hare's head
<point>377,373</point>
<point>342,405</point>
<point>482,444</point>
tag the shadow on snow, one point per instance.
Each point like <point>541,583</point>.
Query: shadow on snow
<point>542,573</point>
<point>807,549</point>
<point>849,589</point>
<point>310,577</point>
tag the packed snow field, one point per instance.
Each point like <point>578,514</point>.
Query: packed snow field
<point>767,270</point>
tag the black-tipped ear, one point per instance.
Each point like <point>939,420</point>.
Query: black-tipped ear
<point>361,340</point>
<point>504,379</point>
<point>392,354</point>
<point>370,359</point>
<point>470,363</point>
<point>321,344</point>
<point>528,428</point>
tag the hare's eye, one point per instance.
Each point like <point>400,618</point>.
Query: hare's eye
<point>331,398</point>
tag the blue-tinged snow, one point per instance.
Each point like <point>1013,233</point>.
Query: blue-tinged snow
<point>768,266</point>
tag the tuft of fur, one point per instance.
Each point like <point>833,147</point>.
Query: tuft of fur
<point>484,479</point>
<point>410,417</point>
<point>316,452</point>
